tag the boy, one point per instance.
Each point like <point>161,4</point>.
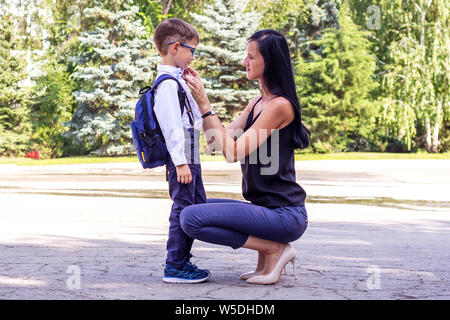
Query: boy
<point>176,41</point>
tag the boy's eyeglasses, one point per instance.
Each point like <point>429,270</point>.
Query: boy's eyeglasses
<point>184,45</point>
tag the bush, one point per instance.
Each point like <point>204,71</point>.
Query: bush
<point>52,107</point>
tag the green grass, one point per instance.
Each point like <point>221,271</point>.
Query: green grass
<point>66,160</point>
<point>298,157</point>
<point>370,156</point>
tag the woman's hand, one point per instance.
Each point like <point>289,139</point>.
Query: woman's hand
<point>195,84</point>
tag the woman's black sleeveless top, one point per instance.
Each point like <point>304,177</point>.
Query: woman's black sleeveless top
<point>279,188</point>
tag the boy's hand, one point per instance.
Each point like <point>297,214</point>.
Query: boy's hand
<point>184,174</point>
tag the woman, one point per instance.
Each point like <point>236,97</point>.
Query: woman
<point>276,214</point>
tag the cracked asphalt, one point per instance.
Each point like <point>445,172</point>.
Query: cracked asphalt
<point>378,229</point>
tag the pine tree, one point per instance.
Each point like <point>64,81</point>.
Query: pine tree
<point>118,60</point>
<point>334,89</point>
<point>225,29</point>
<point>15,127</point>
<point>307,24</point>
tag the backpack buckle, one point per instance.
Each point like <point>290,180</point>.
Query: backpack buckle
<point>144,90</point>
<point>142,135</point>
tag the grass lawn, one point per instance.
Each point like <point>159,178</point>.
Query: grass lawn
<point>371,156</point>
<point>298,157</point>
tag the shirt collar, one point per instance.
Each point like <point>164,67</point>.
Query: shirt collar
<point>174,71</point>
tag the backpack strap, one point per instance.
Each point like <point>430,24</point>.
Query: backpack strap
<point>182,97</point>
<point>148,130</point>
<point>188,109</point>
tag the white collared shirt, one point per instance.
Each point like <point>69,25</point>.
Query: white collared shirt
<point>168,113</point>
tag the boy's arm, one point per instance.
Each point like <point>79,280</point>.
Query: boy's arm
<point>168,113</point>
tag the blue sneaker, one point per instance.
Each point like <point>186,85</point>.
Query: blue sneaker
<point>189,274</point>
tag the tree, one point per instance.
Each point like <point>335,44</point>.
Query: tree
<point>15,127</point>
<point>276,14</point>
<point>411,41</point>
<point>225,28</point>
<point>52,103</point>
<point>417,76</point>
<point>154,12</point>
<point>334,88</point>
<point>63,27</point>
<point>118,59</point>
<point>306,23</point>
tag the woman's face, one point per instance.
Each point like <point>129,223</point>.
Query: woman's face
<point>254,61</point>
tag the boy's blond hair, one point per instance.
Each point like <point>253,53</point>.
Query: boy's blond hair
<point>173,30</point>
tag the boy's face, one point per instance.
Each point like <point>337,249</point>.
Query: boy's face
<point>182,53</point>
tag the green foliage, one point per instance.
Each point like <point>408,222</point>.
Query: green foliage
<point>52,106</point>
<point>415,85</point>
<point>445,134</point>
<point>277,13</point>
<point>153,12</point>
<point>392,19</point>
<point>64,27</point>
<point>225,28</point>
<point>118,59</point>
<point>15,127</point>
<point>334,89</point>
<point>385,89</point>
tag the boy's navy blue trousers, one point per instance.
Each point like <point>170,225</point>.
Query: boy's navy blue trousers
<point>179,244</point>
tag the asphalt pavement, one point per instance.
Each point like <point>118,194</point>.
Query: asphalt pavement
<point>378,229</point>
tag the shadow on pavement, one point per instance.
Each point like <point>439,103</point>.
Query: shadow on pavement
<point>335,260</point>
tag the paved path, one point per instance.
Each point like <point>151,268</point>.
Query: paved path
<point>379,229</point>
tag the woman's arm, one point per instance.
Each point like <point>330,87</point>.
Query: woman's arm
<point>235,128</point>
<point>275,115</point>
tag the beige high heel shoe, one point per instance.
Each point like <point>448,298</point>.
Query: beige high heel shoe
<point>255,273</point>
<point>287,256</point>
<point>248,275</point>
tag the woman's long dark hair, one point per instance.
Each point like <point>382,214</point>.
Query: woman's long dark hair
<point>278,76</point>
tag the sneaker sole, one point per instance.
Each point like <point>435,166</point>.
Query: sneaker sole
<point>179,280</point>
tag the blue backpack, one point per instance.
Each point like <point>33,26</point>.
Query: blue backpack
<point>148,140</point>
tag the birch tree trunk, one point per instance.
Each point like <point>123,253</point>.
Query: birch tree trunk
<point>437,125</point>
<point>166,6</point>
<point>428,135</point>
